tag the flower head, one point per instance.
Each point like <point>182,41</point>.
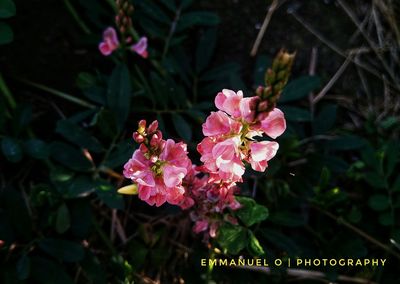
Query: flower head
<point>158,166</point>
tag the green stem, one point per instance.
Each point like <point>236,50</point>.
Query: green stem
<point>76,17</point>
<point>7,94</point>
<point>59,94</point>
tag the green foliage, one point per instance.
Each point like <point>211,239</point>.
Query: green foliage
<point>62,221</point>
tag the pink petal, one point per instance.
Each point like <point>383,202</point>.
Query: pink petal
<point>217,123</point>
<point>263,151</point>
<point>274,124</point>
<point>200,226</point>
<point>105,49</point>
<point>173,175</point>
<point>229,101</point>
<point>141,47</point>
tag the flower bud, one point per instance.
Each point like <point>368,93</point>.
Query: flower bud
<point>142,126</point>
<point>143,148</point>
<point>152,127</point>
<point>138,137</point>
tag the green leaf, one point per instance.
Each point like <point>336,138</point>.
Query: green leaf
<point>91,266</point>
<point>11,149</point>
<point>300,88</point>
<point>182,127</point>
<point>296,113</point>
<point>347,142</point>
<point>62,249</point>
<point>70,157</point>
<point>254,245</point>
<point>232,238</point>
<point>386,219</point>
<point>191,19</point>
<point>355,215</point>
<point>78,136</point>
<point>375,180</point>
<point>205,49</point>
<point>392,157</point>
<point>7,9</point>
<point>63,221</point>
<point>251,213</point>
<point>6,33</point>
<point>378,202</point>
<point>36,149</point>
<point>45,271</point>
<point>325,119</point>
<point>108,194</point>
<point>119,93</point>
<point>260,69</point>
<point>23,267</point>
<point>154,12</point>
<point>280,240</point>
<point>287,219</point>
<point>120,154</point>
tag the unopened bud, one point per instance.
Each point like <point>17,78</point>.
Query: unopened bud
<point>138,137</point>
<point>143,148</point>
<point>153,126</point>
<point>142,126</point>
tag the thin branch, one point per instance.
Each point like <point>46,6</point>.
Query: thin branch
<point>268,16</point>
<point>333,80</point>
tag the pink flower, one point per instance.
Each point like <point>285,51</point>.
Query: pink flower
<point>158,167</point>
<point>229,102</point>
<point>219,123</point>
<point>261,153</point>
<point>274,123</point>
<point>110,41</point>
<point>200,226</point>
<point>141,47</point>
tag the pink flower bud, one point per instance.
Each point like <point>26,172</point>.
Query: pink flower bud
<point>143,148</point>
<point>138,137</point>
<point>153,126</point>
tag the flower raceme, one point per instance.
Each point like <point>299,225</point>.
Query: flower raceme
<point>110,43</point>
<point>158,166</point>
<point>230,136</point>
<point>163,172</point>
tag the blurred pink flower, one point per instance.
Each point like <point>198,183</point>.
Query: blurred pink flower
<point>141,47</point>
<point>110,41</point>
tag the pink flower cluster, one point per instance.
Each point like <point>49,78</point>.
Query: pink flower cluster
<point>158,166</point>
<point>230,134</point>
<point>111,43</point>
<point>164,172</point>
